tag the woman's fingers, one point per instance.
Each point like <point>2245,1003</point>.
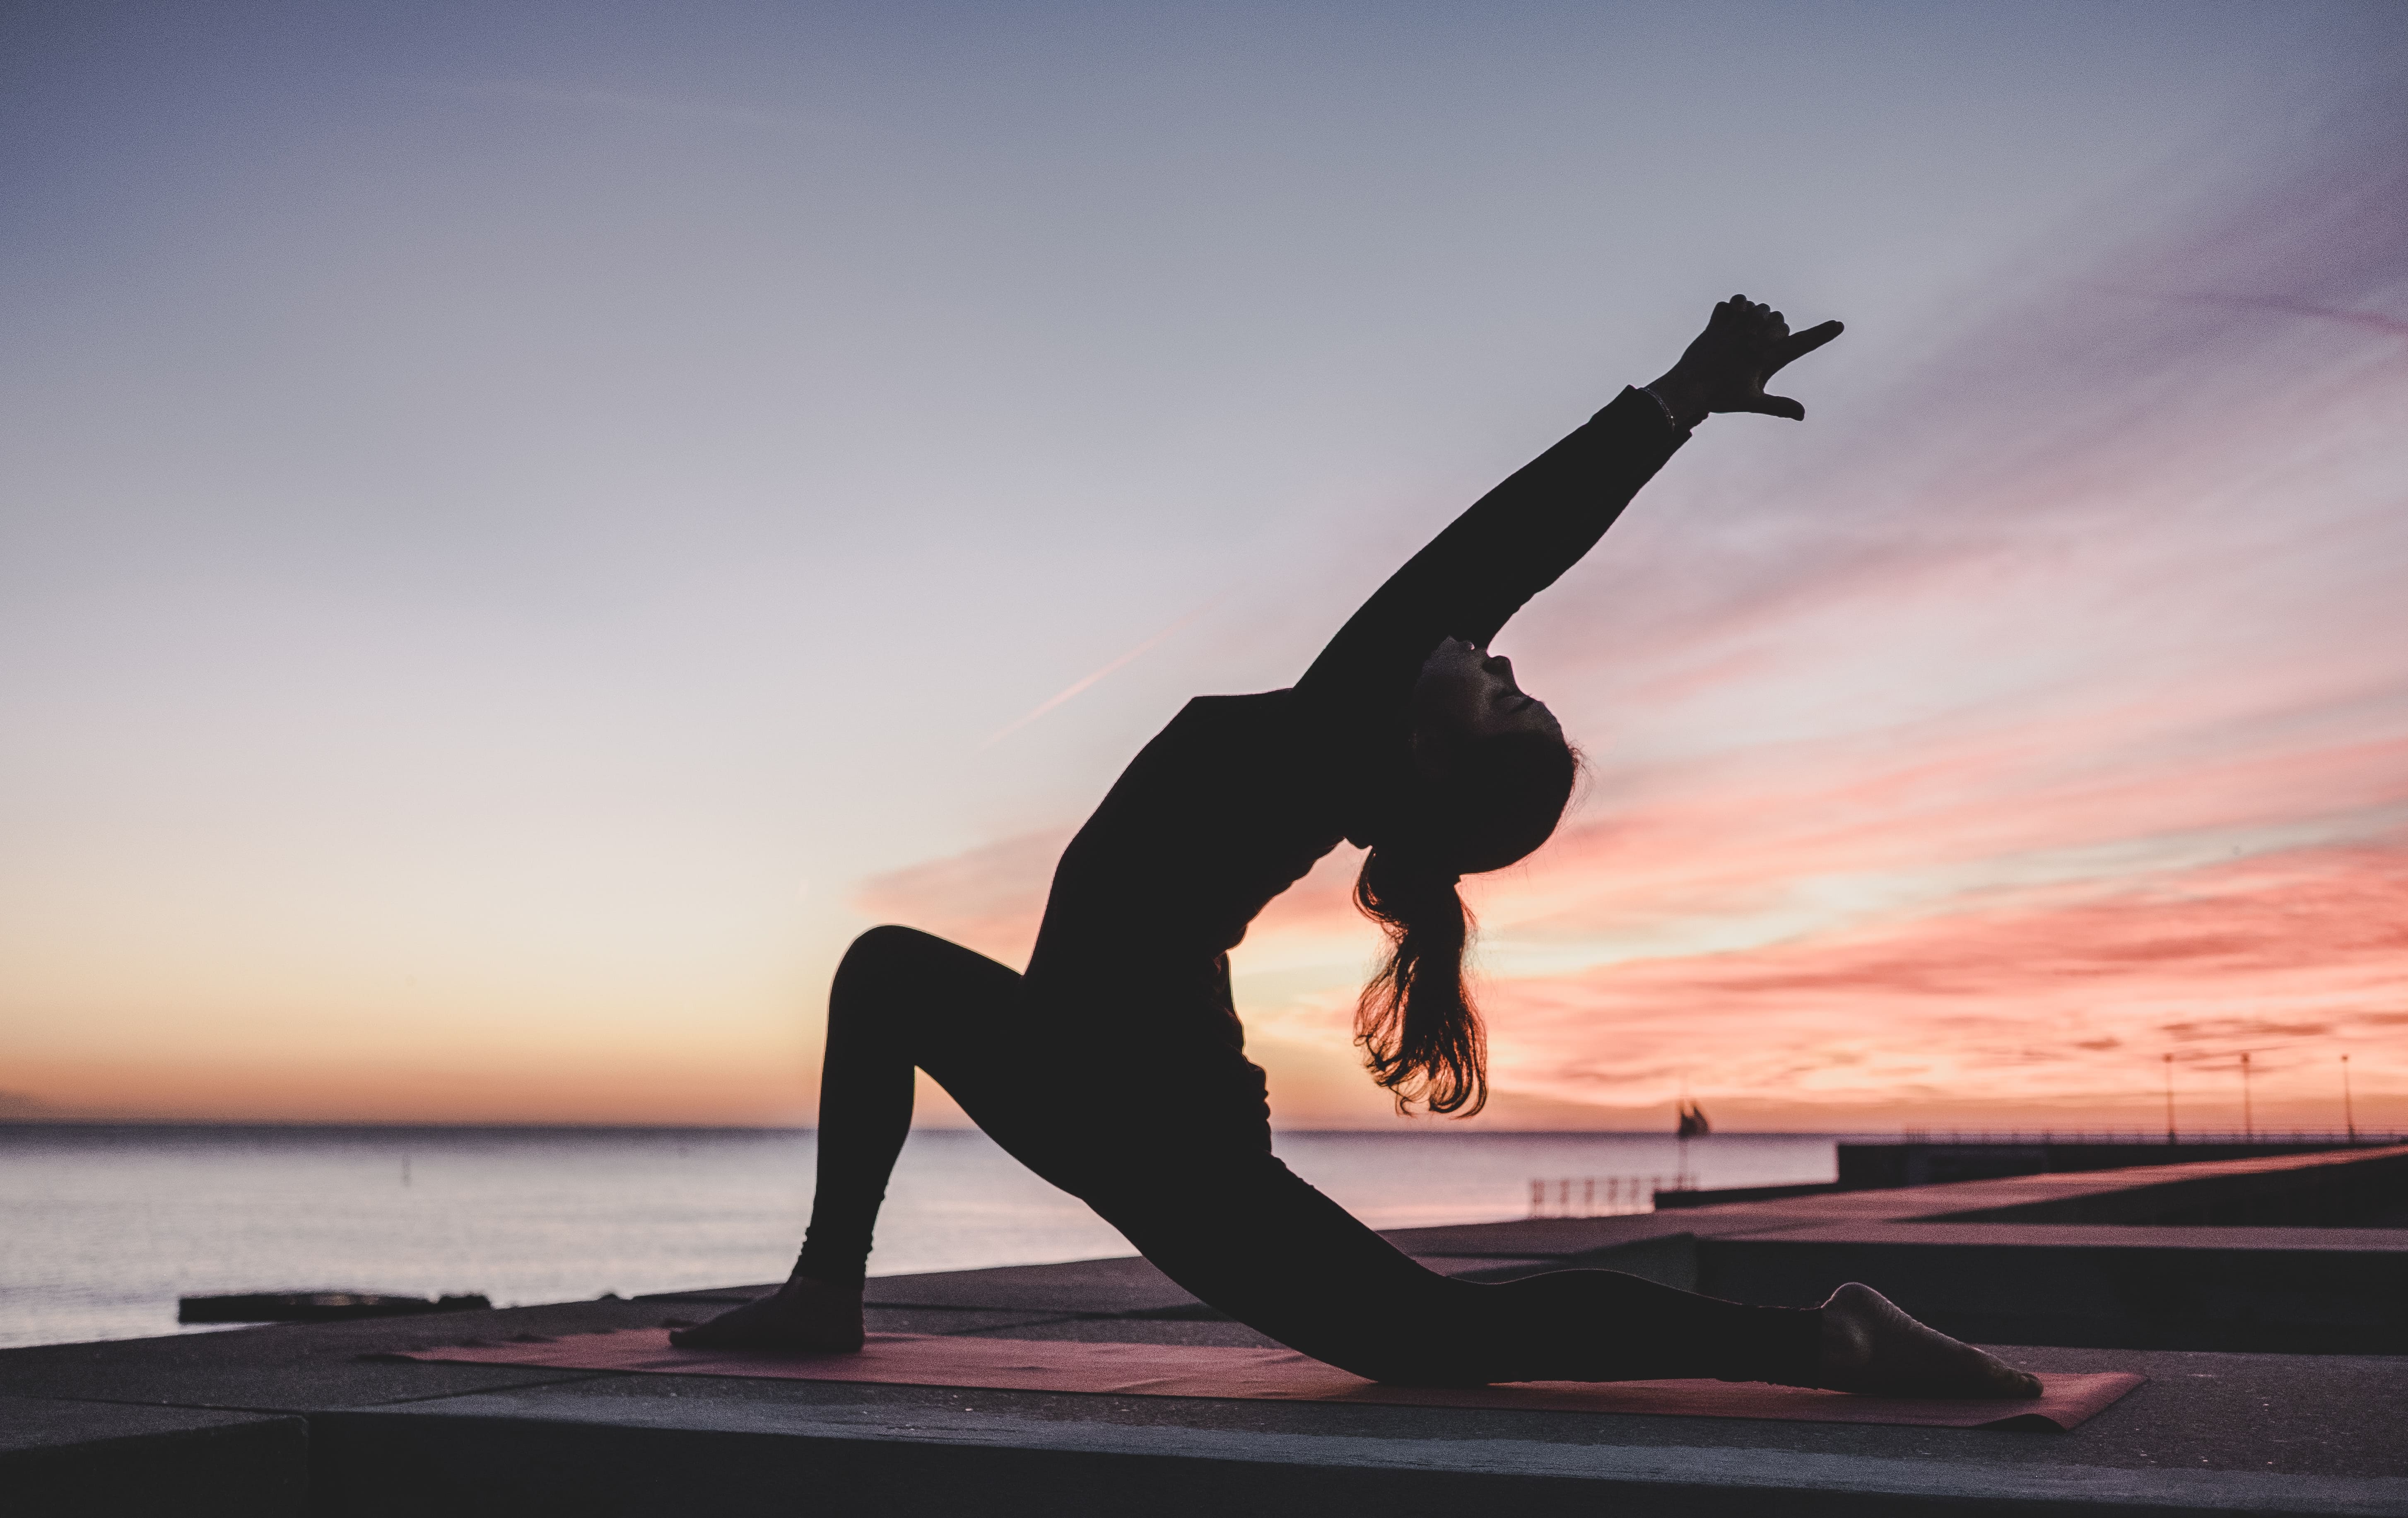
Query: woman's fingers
<point>1781,406</point>
<point>1746,343</point>
<point>1800,344</point>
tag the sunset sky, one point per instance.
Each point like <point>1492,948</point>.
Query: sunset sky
<point>522,528</point>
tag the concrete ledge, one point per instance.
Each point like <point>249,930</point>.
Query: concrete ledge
<point>2284,1291</point>
<point>103,1460</point>
<point>1931,1160</point>
<point>2351,1191</point>
<point>1674,1201</point>
<point>501,1455</point>
<point>299,1367</point>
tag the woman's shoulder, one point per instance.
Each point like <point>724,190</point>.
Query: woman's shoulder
<point>1254,707</point>
<point>1284,695</point>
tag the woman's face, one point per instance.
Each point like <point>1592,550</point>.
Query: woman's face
<point>1466,694</point>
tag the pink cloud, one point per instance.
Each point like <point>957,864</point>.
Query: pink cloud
<point>989,898</point>
<point>2297,957</point>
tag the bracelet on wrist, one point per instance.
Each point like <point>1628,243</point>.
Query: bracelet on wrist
<point>1662,404</point>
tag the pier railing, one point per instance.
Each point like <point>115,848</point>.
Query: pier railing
<point>1594,1195</point>
<point>2148,1136</point>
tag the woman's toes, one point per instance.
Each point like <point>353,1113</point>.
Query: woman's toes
<point>786,1321</point>
<point>1870,1344</point>
<point>2011,1381</point>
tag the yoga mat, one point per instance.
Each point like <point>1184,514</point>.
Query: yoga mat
<point>1030,1365</point>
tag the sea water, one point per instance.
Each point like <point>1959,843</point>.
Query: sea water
<point>103,1228</point>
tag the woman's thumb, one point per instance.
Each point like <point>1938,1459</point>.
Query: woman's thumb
<point>1778,406</point>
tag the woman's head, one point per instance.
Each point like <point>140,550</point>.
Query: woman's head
<point>1493,775</point>
<point>1491,770</point>
<point>1467,694</point>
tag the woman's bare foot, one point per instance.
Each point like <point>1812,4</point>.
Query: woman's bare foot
<point>802,1314</point>
<point>1871,1345</point>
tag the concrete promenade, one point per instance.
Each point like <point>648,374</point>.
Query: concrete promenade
<point>293,1419</point>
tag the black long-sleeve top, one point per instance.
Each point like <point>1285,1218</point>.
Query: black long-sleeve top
<point>1239,796</point>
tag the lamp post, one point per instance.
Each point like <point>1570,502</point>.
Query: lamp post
<point>2170,1098</point>
<point>2249,1124</point>
<point>2348,1115</point>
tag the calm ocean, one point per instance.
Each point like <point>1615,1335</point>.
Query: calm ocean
<point>101,1228</point>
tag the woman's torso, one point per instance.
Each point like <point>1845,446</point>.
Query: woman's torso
<point>1229,805</point>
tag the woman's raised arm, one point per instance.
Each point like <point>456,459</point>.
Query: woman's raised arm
<point>1520,538</point>
<point>1512,543</point>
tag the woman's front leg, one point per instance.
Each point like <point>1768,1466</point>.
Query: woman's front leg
<point>901,1000</point>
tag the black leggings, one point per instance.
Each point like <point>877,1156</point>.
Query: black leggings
<point>1228,1222</point>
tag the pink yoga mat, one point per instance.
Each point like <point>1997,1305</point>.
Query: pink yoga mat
<point>1032,1365</point>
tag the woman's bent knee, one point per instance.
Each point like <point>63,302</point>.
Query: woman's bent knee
<point>892,947</point>
<point>893,965</point>
<point>890,940</point>
<point>878,959</point>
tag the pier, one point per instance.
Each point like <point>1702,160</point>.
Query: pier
<point>2266,1298</point>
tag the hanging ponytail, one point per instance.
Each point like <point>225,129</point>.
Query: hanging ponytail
<point>1419,1031</point>
<point>1499,799</point>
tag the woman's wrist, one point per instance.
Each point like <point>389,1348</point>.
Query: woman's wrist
<point>1683,401</point>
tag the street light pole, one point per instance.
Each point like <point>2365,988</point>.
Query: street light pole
<point>2249,1124</point>
<point>2348,1114</point>
<point>2170,1098</point>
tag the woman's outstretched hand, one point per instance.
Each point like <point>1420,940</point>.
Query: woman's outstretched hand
<point>1746,343</point>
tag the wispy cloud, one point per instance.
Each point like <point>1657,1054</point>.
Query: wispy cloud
<point>1087,682</point>
<point>587,97</point>
<point>988,898</point>
<point>2372,321</point>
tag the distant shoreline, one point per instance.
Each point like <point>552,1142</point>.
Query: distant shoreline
<point>186,1125</point>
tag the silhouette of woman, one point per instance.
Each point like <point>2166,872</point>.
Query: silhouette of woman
<point>1115,1066</point>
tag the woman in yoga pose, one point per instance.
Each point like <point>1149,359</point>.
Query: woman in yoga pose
<point>1115,1066</point>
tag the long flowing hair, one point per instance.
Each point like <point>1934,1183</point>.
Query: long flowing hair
<point>1416,1021</point>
